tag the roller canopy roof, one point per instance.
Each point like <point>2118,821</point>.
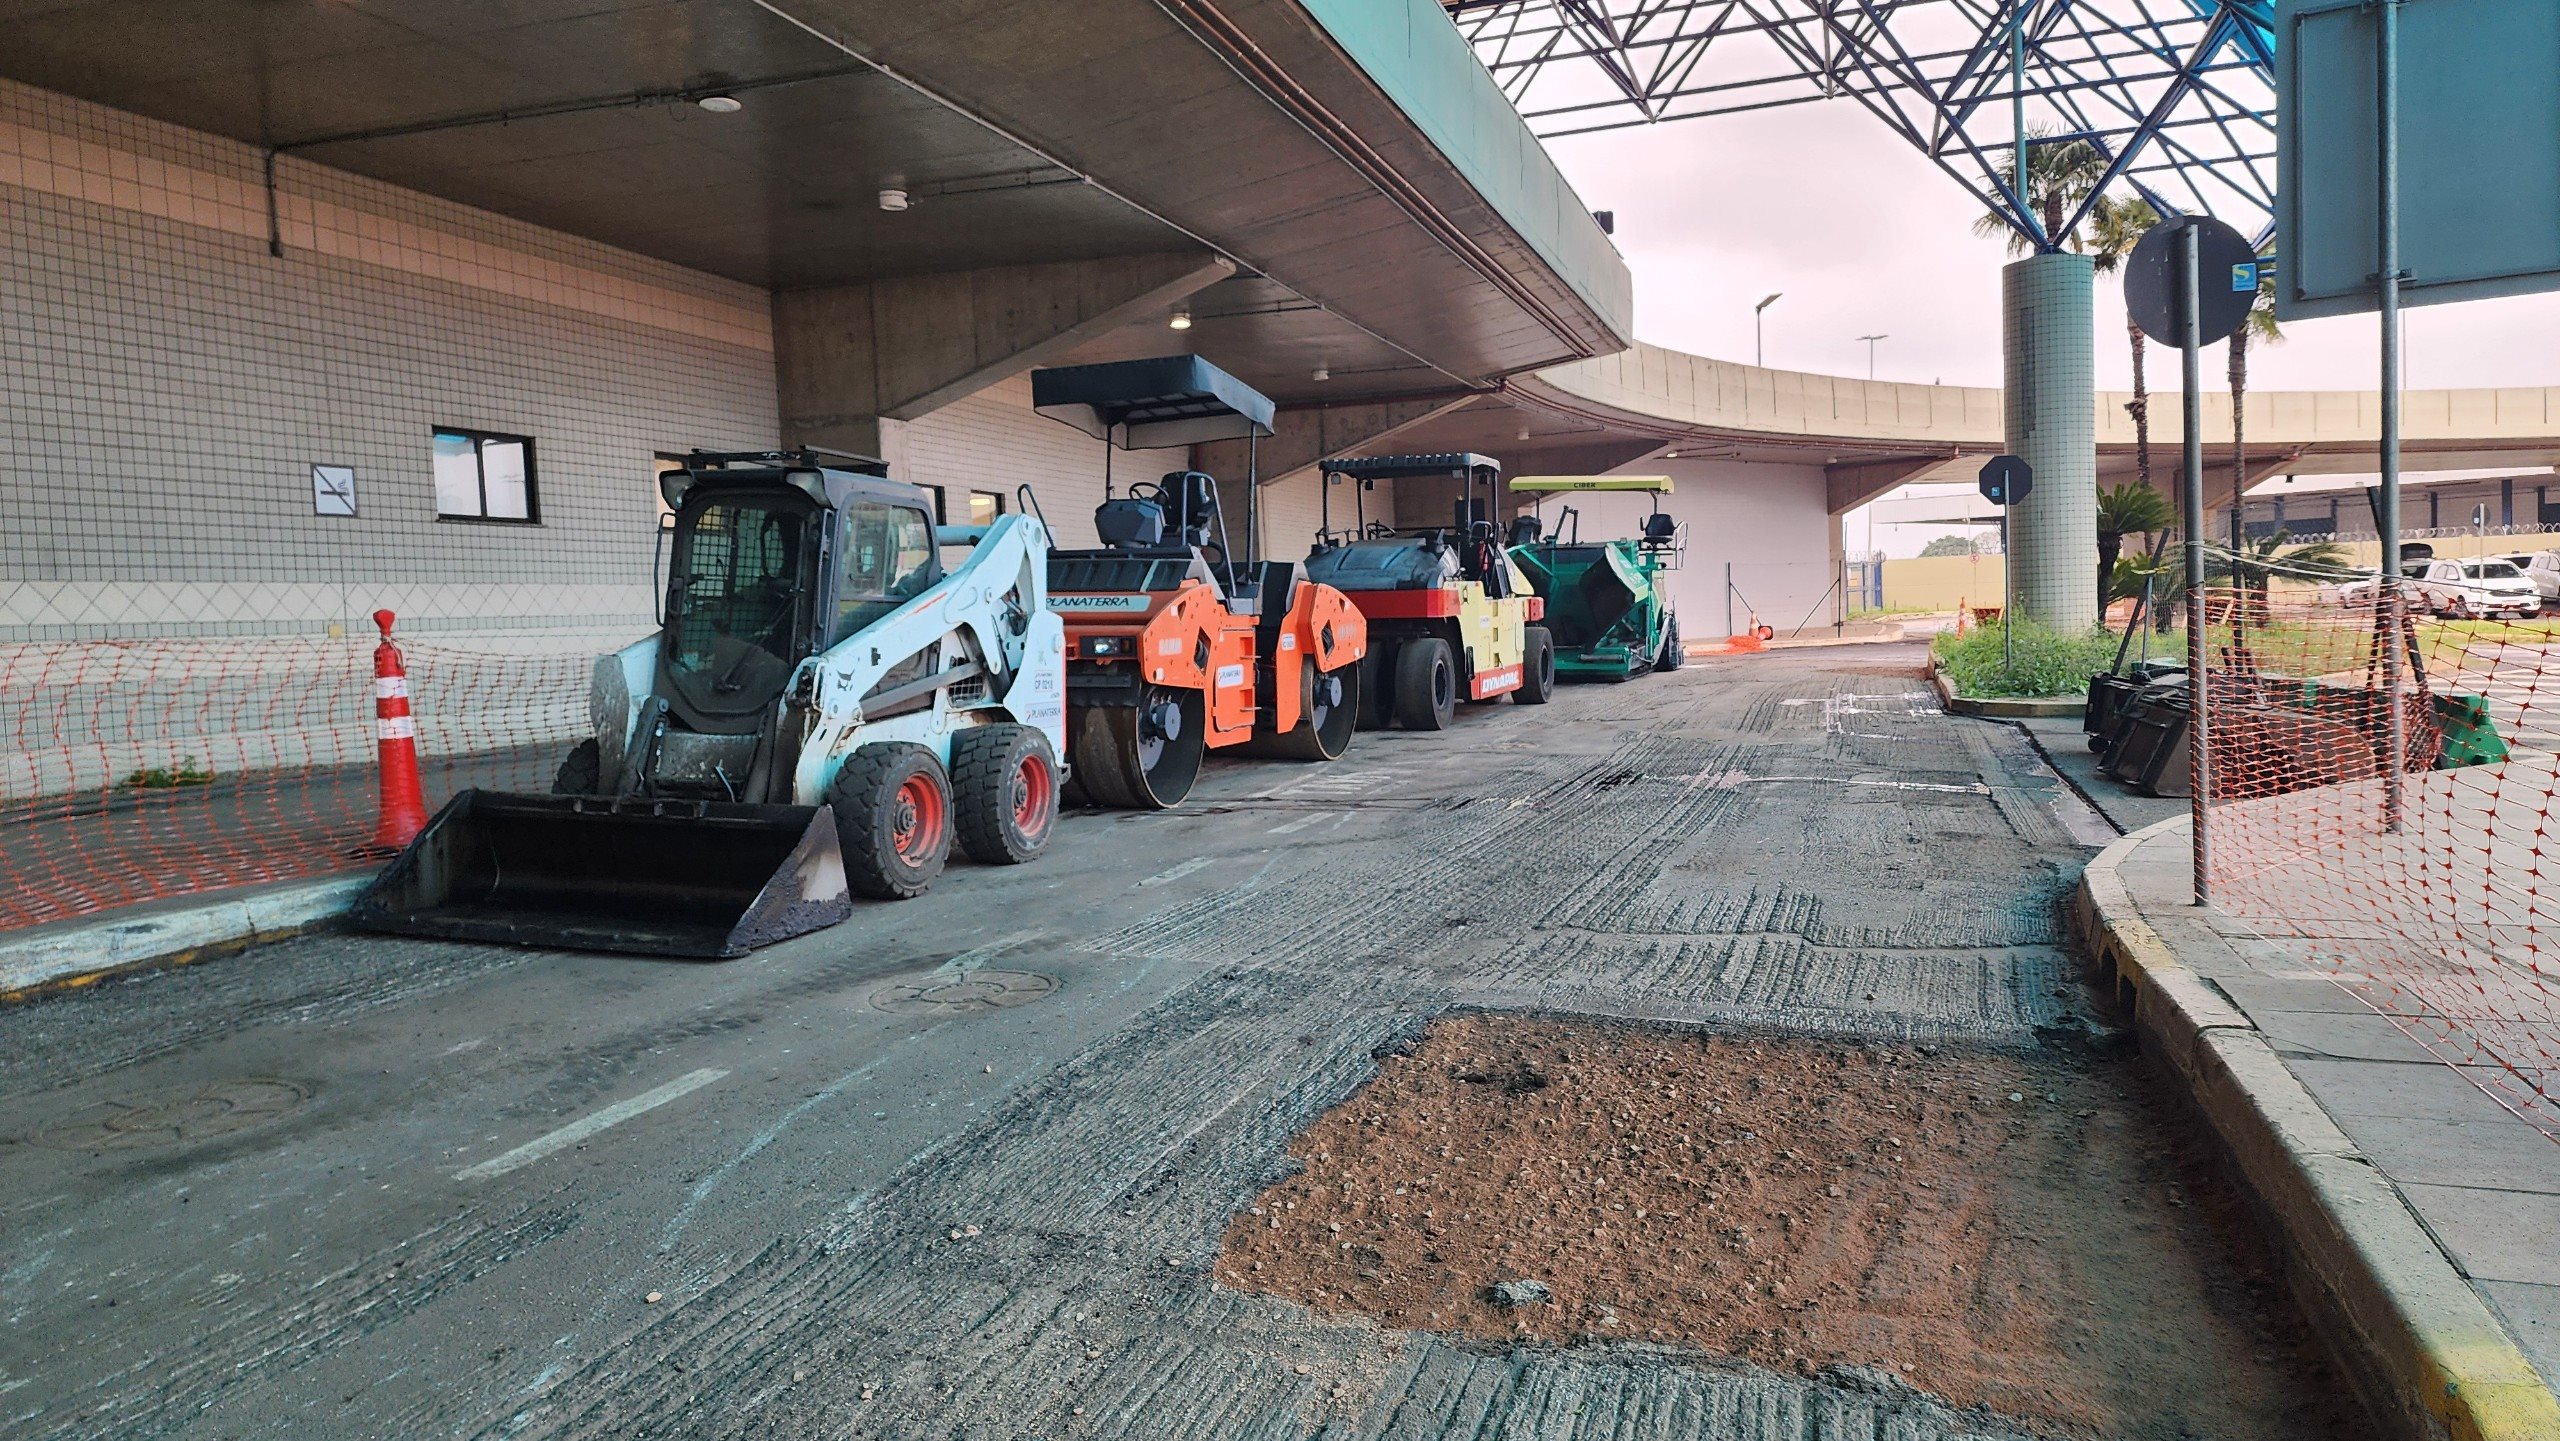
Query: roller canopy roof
<point>1381,467</point>
<point>1140,404</point>
<point>1661,483</point>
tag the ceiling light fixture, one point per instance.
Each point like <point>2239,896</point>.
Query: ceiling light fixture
<point>893,200</point>
<point>722,104</point>
<point>1181,320</point>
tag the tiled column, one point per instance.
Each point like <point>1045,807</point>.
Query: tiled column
<point>2050,405</point>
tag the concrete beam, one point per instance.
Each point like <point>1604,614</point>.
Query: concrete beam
<point>2220,491</point>
<point>851,360</point>
<point>1302,436</point>
<point>1851,484</point>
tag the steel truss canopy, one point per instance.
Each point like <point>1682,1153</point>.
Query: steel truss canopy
<point>2177,95</point>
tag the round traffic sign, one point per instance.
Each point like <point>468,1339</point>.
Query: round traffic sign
<point>2226,274</point>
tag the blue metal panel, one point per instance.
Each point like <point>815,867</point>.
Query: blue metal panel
<point>2479,146</point>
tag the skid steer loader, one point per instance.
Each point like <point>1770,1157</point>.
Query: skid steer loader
<point>1607,600</point>
<point>823,712</point>
<point>1450,617</point>
<point>1174,646</point>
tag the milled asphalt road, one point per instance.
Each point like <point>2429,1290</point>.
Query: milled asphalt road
<point>496,1156</point>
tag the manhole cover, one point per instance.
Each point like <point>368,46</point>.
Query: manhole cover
<point>980,990</point>
<point>168,1118</point>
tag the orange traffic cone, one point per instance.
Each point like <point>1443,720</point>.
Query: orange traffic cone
<point>404,801</point>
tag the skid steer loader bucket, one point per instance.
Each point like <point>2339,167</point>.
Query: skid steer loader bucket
<point>650,877</point>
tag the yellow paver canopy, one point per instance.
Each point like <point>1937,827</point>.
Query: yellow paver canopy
<point>1660,483</point>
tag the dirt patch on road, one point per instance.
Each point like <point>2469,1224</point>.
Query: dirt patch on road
<point>2023,1235</point>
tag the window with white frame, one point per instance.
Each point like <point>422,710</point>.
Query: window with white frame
<point>483,476</point>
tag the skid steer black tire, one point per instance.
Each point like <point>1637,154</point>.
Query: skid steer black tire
<point>893,819</point>
<point>1004,785</point>
<point>1426,685</point>
<point>581,771</point>
<point>1673,656</point>
<point>1537,666</point>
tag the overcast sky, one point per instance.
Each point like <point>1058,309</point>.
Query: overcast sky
<point>1863,235</point>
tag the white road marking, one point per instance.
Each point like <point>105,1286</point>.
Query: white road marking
<point>1175,873</point>
<point>585,1126</point>
<point>1301,823</point>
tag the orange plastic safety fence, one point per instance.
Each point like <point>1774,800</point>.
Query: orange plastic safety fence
<point>138,770</point>
<point>2428,900</point>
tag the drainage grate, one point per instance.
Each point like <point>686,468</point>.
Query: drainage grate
<point>169,1118</point>
<point>981,990</point>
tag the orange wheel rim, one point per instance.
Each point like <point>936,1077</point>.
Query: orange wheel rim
<point>1034,791</point>
<point>915,828</point>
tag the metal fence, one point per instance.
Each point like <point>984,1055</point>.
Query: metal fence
<point>137,770</point>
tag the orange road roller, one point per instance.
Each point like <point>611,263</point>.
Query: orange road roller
<point>1175,647</point>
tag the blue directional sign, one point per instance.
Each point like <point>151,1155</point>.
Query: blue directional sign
<point>2006,480</point>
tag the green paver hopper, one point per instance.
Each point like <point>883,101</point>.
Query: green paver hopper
<point>1607,601</point>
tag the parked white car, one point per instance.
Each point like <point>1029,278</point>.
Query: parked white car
<point>2542,567</point>
<point>2477,588</point>
<point>2360,591</point>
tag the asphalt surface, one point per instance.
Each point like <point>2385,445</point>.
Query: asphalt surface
<point>960,1166</point>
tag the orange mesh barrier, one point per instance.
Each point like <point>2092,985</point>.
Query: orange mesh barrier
<point>2424,900</point>
<point>137,770</point>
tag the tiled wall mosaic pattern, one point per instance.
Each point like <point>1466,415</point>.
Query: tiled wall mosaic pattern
<point>2050,351</point>
<point>170,384</point>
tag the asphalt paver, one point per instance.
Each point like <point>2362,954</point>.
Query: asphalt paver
<point>960,1166</point>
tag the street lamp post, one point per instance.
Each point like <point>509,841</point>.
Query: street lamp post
<point>1871,352</point>
<point>1759,352</point>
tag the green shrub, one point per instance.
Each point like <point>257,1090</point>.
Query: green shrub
<point>2047,663</point>
<point>187,772</point>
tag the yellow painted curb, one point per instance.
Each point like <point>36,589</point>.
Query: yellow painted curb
<point>67,955</point>
<point>2389,1299</point>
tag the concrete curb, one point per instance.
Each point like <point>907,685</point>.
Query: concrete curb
<point>43,959</point>
<point>2389,1300</point>
<point>2003,707</point>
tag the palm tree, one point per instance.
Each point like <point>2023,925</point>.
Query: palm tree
<point>2253,564</point>
<point>2116,226</point>
<point>2260,323</point>
<point>2060,174</point>
<point>2128,508</point>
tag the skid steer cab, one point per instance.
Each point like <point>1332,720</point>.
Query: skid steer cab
<point>1608,601</point>
<point>827,708</point>
<point>1450,617</point>
<point>1176,644</point>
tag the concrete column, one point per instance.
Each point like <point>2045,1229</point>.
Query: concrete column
<point>2050,403</point>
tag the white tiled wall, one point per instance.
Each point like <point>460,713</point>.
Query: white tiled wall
<point>169,383</point>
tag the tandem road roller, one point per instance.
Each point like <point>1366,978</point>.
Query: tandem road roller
<point>1176,646</point>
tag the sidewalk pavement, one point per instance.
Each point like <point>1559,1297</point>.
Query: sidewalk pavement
<point>2418,1214</point>
<point>2066,745</point>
